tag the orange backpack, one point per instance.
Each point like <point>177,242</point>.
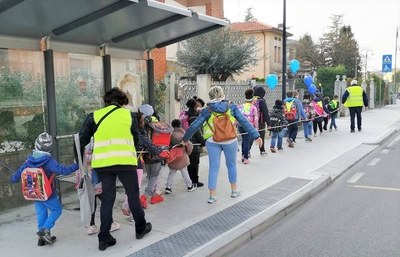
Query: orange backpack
<point>35,184</point>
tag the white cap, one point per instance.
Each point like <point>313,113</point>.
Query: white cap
<point>353,82</point>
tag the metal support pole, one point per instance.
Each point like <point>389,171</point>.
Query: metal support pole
<point>51,108</point>
<point>107,72</point>
<point>150,81</point>
<point>284,52</point>
<point>395,61</point>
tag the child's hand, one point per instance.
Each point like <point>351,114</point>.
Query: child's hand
<point>259,142</point>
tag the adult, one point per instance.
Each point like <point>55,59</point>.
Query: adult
<point>293,110</point>
<point>217,108</point>
<point>354,97</point>
<point>263,115</point>
<point>197,140</point>
<point>115,131</point>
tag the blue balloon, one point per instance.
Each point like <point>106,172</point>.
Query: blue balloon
<point>272,81</point>
<point>294,65</point>
<point>308,80</point>
<point>312,89</point>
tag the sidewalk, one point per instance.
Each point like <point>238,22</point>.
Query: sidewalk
<point>186,225</point>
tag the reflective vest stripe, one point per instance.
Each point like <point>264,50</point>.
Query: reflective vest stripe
<point>100,156</point>
<point>114,142</point>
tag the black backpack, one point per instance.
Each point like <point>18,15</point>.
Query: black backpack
<point>276,122</point>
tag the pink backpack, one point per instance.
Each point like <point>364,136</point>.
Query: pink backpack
<point>184,118</point>
<point>249,110</point>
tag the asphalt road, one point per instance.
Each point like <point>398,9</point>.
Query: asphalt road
<point>357,215</point>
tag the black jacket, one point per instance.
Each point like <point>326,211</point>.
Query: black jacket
<point>197,137</point>
<point>263,116</point>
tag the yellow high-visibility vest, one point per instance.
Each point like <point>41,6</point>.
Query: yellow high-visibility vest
<point>355,97</point>
<point>113,140</point>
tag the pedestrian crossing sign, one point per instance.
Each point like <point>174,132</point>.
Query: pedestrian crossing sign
<point>387,63</point>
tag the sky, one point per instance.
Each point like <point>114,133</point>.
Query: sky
<point>373,22</point>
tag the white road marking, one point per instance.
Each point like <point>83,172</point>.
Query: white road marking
<point>374,161</point>
<point>377,188</point>
<point>385,151</point>
<point>355,177</point>
<point>394,141</point>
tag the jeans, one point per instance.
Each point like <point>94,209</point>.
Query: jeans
<point>307,128</point>
<point>333,121</point>
<point>128,177</point>
<point>353,112</point>
<point>276,136</point>
<point>245,143</point>
<point>214,160</point>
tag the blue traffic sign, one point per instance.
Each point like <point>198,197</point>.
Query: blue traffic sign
<point>387,63</point>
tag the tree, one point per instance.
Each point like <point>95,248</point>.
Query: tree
<point>249,15</point>
<point>221,53</point>
<point>326,77</point>
<point>345,51</point>
<point>307,53</point>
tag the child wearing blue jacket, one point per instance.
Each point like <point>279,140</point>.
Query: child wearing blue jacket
<point>47,212</point>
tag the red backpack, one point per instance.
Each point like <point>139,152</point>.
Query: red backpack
<point>35,184</point>
<point>290,110</point>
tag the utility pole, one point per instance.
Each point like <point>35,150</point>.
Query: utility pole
<point>395,61</point>
<point>284,52</point>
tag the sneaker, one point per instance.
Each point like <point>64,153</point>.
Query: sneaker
<point>125,211</point>
<point>249,155</point>
<point>192,187</point>
<point>92,230</point>
<point>212,199</point>
<point>168,190</point>
<point>272,150</point>
<point>246,161</point>
<point>199,184</point>
<point>330,130</point>
<point>114,226</point>
<point>41,242</point>
<point>359,130</point>
<point>263,153</point>
<point>352,131</point>
<point>308,139</point>
<point>243,159</point>
<point>336,128</point>
<point>146,230</point>
<point>235,193</point>
<point>280,148</point>
<point>315,134</point>
<point>156,199</point>
<point>143,201</point>
<point>104,244</point>
<point>45,235</point>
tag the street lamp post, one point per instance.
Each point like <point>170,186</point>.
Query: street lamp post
<point>395,60</point>
<point>284,52</point>
<point>366,63</point>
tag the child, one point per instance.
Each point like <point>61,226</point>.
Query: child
<point>152,166</point>
<point>333,107</point>
<point>278,122</point>
<point>47,212</point>
<point>326,101</point>
<point>181,164</point>
<point>307,124</point>
<point>92,229</point>
<point>249,110</point>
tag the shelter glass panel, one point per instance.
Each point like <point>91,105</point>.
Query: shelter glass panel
<point>131,76</point>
